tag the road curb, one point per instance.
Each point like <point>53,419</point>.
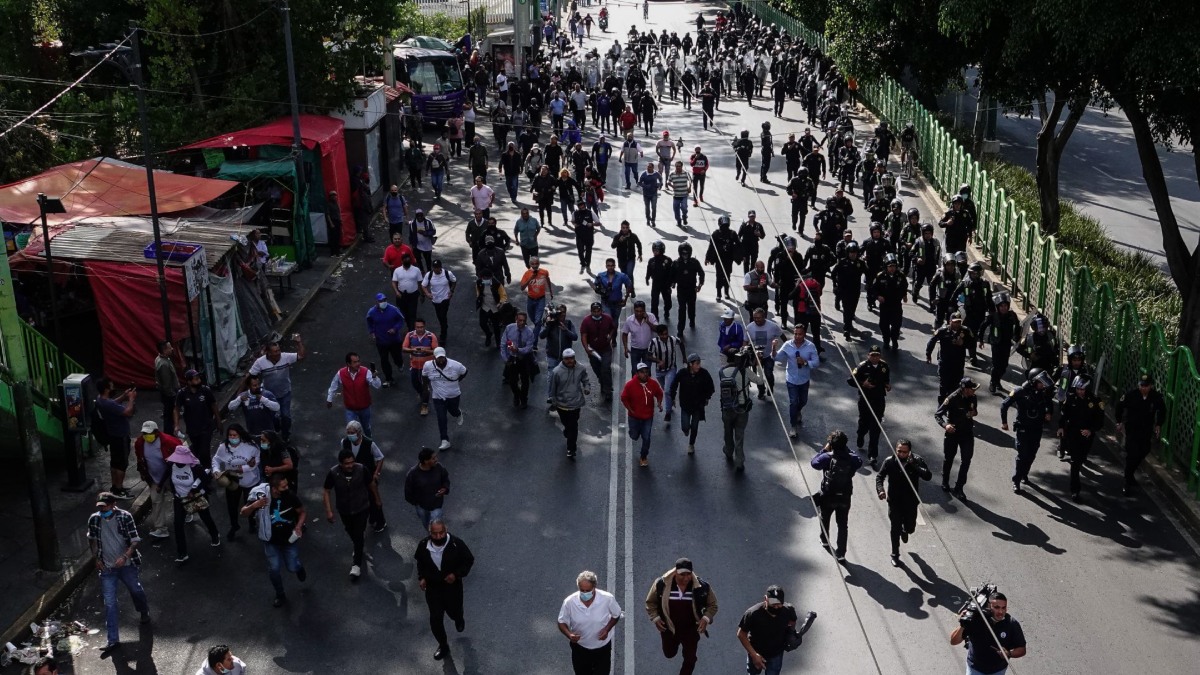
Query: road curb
<point>76,571</point>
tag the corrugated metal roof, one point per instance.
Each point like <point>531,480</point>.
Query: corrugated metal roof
<point>125,239</point>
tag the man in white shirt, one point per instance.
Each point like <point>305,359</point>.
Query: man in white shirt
<point>482,197</point>
<point>444,376</point>
<point>587,619</point>
<point>406,283</point>
<point>275,367</point>
<point>502,85</point>
<point>438,285</point>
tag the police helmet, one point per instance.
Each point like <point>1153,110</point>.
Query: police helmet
<point>489,240</point>
<point>685,249</point>
<point>790,242</point>
<point>878,190</point>
<point>976,267</point>
<point>658,247</point>
<point>914,213</point>
<point>908,125</point>
<point>1001,298</point>
<point>883,124</point>
<point>890,259</point>
<point>723,222</point>
<point>958,199</point>
<point>876,227</point>
<point>964,189</point>
<point>927,227</point>
<point>1075,350</point>
<point>947,259</point>
<point>960,257</point>
<point>968,383</point>
<point>766,125</point>
<point>802,172</point>
<point>745,133</point>
<point>852,247</point>
<point>1081,382</point>
<point>1039,376</point>
<point>897,204</point>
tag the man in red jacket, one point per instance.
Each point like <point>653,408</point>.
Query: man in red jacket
<point>640,395</point>
<point>152,448</point>
<point>355,383</point>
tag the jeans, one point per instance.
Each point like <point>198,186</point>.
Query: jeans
<point>650,200</point>
<point>836,506</point>
<point>437,178</point>
<point>637,356</point>
<point>427,516</point>
<point>109,578</point>
<point>285,421</point>
<point>168,414</point>
<point>418,385</point>
<point>602,366</point>
<point>356,526</point>
<point>442,406</point>
<point>774,666</point>
<point>640,429</point>
<point>797,399</point>
<point>364,418</point>
<point>513,184</point>
<point>567,209</point>
<point>679,206</point>
<point>536,309</point>
<point>685,638</point>
<point>689,422</point>
<point>630,170</point>
<point>279,555</point>
<point>665,379</point>
<point>528,252</point>
<point>972,671</point>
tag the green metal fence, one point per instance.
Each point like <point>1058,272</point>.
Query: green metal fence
<point>1043,274</point>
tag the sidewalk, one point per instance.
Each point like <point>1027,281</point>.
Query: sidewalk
<point>31,594</point>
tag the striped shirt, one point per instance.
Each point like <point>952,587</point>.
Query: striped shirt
<point>666,352</point>
<point>680,182</point>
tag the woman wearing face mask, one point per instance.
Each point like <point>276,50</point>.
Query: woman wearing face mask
<point>276,458</point>
<point>187,481</point>
<point>238,459</point>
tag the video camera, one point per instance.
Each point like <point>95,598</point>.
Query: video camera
<point>977,604</point>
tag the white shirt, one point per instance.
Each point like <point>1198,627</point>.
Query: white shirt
<point>439,284</point>
<point>587,621</point>
<point>443,381</point>
<point>435,552</point>
<point>155,462</point>
<point>501,82</point>
<point>237,458</point>
<point>183,480</point>
<point>239,667</point>
<point>407,280</point>
<point>469,116</point>
<point>481,196</point>
<point>276,377</point>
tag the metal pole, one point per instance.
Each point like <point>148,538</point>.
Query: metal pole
<point>135,68</point>
<point>297,140</point>
<point>44,533</point>
<point>41,198</point>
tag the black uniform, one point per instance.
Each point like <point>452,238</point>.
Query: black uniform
<point>744,149</point>
<point>952,356</point>
<point>791,152</point>
<point>925,256</point>
<point>1141,415</point>
<point>1001,331</point>
<point>902,498</point>
<point>976,293</point>
<point>786,268</point>
<point>660,277</point>
<point>847,284</point>
<point>1080,414</point>
<point>830,223</point>
<point>721,251</point>
<point>960,410</point>
<point>873,251</point>
<point>943,294</point>
<point>874,380</point>
<point>1033,412</point>
<point>688,275</point>
<point>801,190</point>
<point>958,228</point>
<point>1041,349</point>
<point>749,234</point>
<point>890,289</point>
<point>818,259</point>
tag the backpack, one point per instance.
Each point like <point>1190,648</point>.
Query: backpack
<point>731,391</point>
<point>839,477</point>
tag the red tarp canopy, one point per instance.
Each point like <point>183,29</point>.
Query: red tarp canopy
<point>105,187</point>
<point>315,130</point>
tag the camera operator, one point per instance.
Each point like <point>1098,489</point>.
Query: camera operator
<point>984,656</point>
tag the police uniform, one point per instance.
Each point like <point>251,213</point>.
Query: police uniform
<point>952,344</point>
<point>847,283</point>
<point>942,294</point>
<point>1064,376</point>
<point>1000,330</point>
<point>1079,414</point>
<point>960,410</point>
<point>721,251</point>
<point>689,275</point>
<point>976,294</point>
<point>1143,416</point>
<point>872,381</point>
<point>891,289</point>
<point>925,256</point>
<point>1033,411</point>
<point>660,276</point>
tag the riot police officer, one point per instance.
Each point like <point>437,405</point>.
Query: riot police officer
<point>819,258</point>
<point>958,225</point>
<point>743,147</point>
<point>1034,401</point>
<point>1001,330</point>
<point>953,341</point>
<point>660,277</point>
<point>975,294</point>
<point>907,238</point>
<point>800,189</point>
<point>1081,417</point>
<point>767,149</point>
<point>873,251</point>
<point>891,291</point>
<point>689,278</point>
<point>785,265</point>
<point>749,234</point>
<point>926,253</point>
<point>830,223</point>
<point>1140,414</point>
<point>956,415</point>
<point>943,291</point>
<point>847,285</point>
<point>873,379</point>
<point>1075,366</point>
<point>1040,345</point>
<point>721,251</point>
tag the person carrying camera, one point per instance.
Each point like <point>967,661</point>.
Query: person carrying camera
<point>993,637</point>
<point>767,630</point>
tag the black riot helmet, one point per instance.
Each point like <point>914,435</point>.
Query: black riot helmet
<point>658,247</point>
<point>723,222</point>
<point>685,250</point>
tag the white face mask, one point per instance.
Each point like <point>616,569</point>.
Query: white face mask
<point>382,305</point>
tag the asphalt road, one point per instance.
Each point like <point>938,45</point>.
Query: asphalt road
<point>1109,585</point>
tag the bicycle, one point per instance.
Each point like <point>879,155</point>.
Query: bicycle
<point>907,161</point>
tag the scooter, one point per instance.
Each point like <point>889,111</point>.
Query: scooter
<point>604,23</point>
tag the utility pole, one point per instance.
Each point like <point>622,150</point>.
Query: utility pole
<point>297,139</point>
<point>48,205</point>
<point>135,72</point>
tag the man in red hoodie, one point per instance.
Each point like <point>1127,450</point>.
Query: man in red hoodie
<point>152,448</point>
<point>640,395</point>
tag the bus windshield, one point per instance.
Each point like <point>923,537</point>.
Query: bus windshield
<point>434,76</point>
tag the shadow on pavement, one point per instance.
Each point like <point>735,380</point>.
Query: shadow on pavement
<point>887,594</point>
<point>1027,534</point>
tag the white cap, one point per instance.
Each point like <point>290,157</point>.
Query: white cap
<point>727,314</point>
<point>642,366</point>
<point>568,353</point>
<point>440,351</point>
<point>149,427</point>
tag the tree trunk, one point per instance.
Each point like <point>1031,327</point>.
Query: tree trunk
<point>1051,142</point>
<point>1181,262</point>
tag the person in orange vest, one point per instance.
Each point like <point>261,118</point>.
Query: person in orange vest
<point>355,384</point>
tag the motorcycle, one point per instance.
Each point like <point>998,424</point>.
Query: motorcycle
<point>604,24</point>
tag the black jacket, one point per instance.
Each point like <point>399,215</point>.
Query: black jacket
<point>898,489</point>
<point>1141,415</point>
<point>693,391</point>
<point>457,559</point>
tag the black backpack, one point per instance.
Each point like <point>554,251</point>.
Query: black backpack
<point>730,390</point>
<point>839,476</point>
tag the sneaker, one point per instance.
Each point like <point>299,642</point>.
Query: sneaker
<point>570,454</point>
<point>424,409</point>
<point>120,493</point>
<point>644,462</point>
<point>793,435</point>
<point>444,445</point>
<point>874,464</point>
<point>895,560</point>
<point>386,384</point>
<point>904,536</point>
<point>691,449</point>
<point>182,559</point>
<point>216,541</point>
<point>1017,489</point>
<point>301,575</point>
<point>461,419</point>
<point>841,556</point>
<point>160,533</point>
<point>380,527</point>
<point>355,572</point>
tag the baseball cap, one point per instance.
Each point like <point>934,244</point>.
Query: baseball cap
<point>1145,379</point>
<point>683,564</point>
<point>440,351</point>
<point>642,366</point>
<point>419,210</point>
<point>727,314</point>
<point>751,213</point>
<point>774,595</point>
<point>568,353</point>
<point>693,357</point>
<point>380,297</point>
<point>968,383</point>
<point>189,374</point>
<point>149,427</point>
<point>106,498</point>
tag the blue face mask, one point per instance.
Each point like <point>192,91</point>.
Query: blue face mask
<point>265,446</point>
<point>106,514</point>
<point>234,442</point>
<point>353,438</point>
<point>587,596</point>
